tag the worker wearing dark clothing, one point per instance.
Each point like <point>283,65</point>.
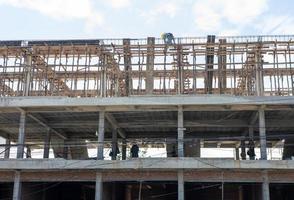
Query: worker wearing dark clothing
<point>168,38</point>
<point>251,151</point>
<point>135,151</point>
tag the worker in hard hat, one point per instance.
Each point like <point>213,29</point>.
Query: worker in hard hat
<point>168,38</point>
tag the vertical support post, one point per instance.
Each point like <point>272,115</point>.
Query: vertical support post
<point>209,64</point>
<point>103,78</point>
<point>7,147</point>
<point>180,69</point>
<point>237,153</point>
<point>128,192</point>
<point>99,187</point>
<point>150,65</point>
<point>222,61</point>
<point>265,187</point>
<point>240,191</point>
<point>114,144</point>
<point>243,150</point>
<point>28,66</point>
<point>100,147</point>
<point>181,188</point>
<point>128,66</point>
<point>124,149</point>
<point>180,131</point>
<point>262,134</point>
<point>17,186</point>
<point>47,143</point>
<point>259,71</point>
<point>21,135</point>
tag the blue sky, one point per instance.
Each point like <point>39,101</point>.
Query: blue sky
<point>70,19</point>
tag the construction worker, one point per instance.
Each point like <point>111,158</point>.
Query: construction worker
<point>135,151</point>
<point>168,38</point>
<point>251,151</point>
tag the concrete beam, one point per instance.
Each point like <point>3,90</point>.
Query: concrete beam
<point>146,164</point>
<point>119,103</point>
<point>114,124</point>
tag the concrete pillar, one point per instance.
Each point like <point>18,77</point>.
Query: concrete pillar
<point>47,144</point>
<point>240,192</point>
<point>150,65</point>
<point>99,186</point>
<point>100,147</point>
<point>124,149</point>
<point>181,183</point>
<point>27,70</point>
<point>7,147</point>
<point>180,132</point>
<point>265,187</point>
<point>243,150</point>
<point>262,134</point>
<point>21,135</point>
<point>237,153</point>
<point>114,144</point>
<point>17,186</point>
<point>128,193</point>
<point>127,66</point>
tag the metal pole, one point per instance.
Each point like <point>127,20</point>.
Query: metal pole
<point>17,186</point>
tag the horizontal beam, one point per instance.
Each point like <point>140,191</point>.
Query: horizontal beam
<point>146,164</point>
<point>150,102</point>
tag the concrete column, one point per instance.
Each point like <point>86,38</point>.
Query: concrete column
<point>128,193</point>
<point>101,136</point>
<point>262,135</point>
<point>124,149</point>
<point>27,70</point>
<point>240,191</point>
<point>243,150</point>
<point>17,186</point>
<point>114,144</point>
<point>265,187</point>
<point>150,65</point>
<point>181,183</point>
<point>47,143</point>
<point>180,132</point>
<point>127,66</point>
<point>99,186</point>
<point>21,135</point>
<point>7,147</point>
<point>237,153</point>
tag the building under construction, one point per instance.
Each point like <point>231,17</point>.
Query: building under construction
<point>68,98</point>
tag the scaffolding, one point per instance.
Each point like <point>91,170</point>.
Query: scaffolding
<point>245,65</point>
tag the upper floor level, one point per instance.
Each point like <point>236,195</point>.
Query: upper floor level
<point>241,66</point>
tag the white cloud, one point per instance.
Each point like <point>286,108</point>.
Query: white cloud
<point>62,9</point>
<point>164,8</point>
<point>119,3</point>
<point>211,15</point>
<point>275,24</point>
